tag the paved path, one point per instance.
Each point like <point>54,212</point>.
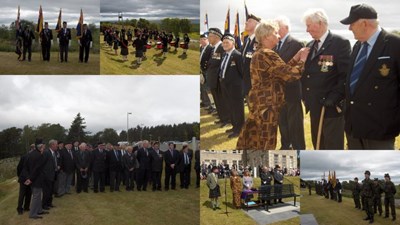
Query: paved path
<point>277,213</point>
<point>308,219</point>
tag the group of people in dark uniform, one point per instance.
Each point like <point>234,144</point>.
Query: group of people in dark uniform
<point>141,41</point>
<point>329,189</point>
<point>50,171</point>
<point>25,37</point>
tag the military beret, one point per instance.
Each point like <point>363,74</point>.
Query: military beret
<point>376,179</point>
<point>46,23</point>
<point>355,178</point>
<point>387,175</point>
<point>229,37</point>
<point>252,16</point>
<point>65,22</point>
<point>215,31</point>
<point>361,11</point>
<point>204,35</point>
<point>367,172</point>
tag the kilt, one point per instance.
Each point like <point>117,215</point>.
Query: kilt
<point>214,193</point>
<point>124,51</point>
<point>139,53</point>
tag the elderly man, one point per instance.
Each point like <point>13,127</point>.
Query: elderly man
<point>85,44</point>
<point>50,168</point>
<point>372,118</point>
<point>171,158</point>
<point>144,171</point>
<point>291,124</point>
<point>231,78</point>
<point>82,163</point>
<point>205,53</point>
<point>323,81</point>
<point>64,40</point>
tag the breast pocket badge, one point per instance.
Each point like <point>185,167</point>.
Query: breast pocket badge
<point>384,70</point>
<point>325,61</point>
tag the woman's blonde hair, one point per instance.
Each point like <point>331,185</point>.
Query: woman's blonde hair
<point>265,28</point>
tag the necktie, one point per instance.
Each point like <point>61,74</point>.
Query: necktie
<point>223,66</point>
<point>358,66</point>
<point>70,153</point>
<point>315,48</point>
<point>116,155</point>
<point>55,159</point>
<point>245,48</point>
<point>147,153</point>
<point>279,46</point>
<point>172,153</point>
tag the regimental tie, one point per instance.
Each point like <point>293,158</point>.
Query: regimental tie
<point>70,153</point>
<point>358,66</point>
<point>223,66</point>
<point>315,48</point>
<point>279,46</point>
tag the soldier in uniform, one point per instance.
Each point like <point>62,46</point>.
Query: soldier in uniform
<point>390,191</point>
<point>46,37</point>
<point>368,193</point>
<point>356,193</point>
<point>266,179</point>
<point>236,186</point>
<point>85,43</point>
<point>186,41</point>
<point>27,37</point>
<point>377,197</point>
<point>205,53</point>
<point>64,39</point>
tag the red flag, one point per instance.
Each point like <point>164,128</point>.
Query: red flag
<point>39,26</point>
<point>227,23</point>
<point>58,26</point>
<point>79,27</point>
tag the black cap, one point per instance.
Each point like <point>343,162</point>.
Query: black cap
<point>229,37</point>
<point>387,175</point>
<point>215,31</point>
<point>355,178</point>
<point>367,172</point>
<point>361,11</point>
<point>254,17</point>
<point>64,22</point>
<point>46,23</point>
<point>376,179</point>
<point>205,35</point>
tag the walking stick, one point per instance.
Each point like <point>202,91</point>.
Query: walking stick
<point>321,121</point>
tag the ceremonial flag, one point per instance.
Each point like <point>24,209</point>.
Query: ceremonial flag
<point>236,33</point>
<point>206,21</point>
<point>17,23</point>
<point>334,179</point>
<point>58,26</point>
<point>39,26</point>
<point>329,176</point>
<point>79,27</point>
<point>227,23</point>
<point>246,11</point>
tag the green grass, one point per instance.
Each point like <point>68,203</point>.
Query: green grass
<point>8,168</point>
<point>174,64</point>
<point>214,137</point>
<point>172,207</point>
<point>10,65</point>
<point>210,217</point>
<point>328,212</point>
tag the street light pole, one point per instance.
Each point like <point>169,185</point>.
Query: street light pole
<point>127,126</point>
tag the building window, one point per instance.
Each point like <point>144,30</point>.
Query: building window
<point>214,162</point>
<point>284,161</point>
<point>276,159</point>
<point>234,151</point>
<point>224,151</point>
<point>292,162</point>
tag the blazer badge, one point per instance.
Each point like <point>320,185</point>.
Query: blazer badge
<point>384,70</point>
<point>325,61</point>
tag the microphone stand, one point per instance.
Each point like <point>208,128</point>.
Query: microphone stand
<point>226,200</point>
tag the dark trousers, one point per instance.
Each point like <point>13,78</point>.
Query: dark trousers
<point>389,202</point>
<point>46,51</point>
<point>48,187</point>
<point>25,193</point>
<point>204,95</point>
<point>278,191</point>
<point>81,183</point>
<point>339,197</point>
<point>156,178</point>
<point>357,202</point>
<point>115,180</point>
<point>378,205</point>
<point>29,50</point>
<point>220,104</point>
<point>197,178</point>
<point>291,126</point>
<point>143,178</point>
<point>84,51</point>
<point>185,176</point>
<point>170,174</point>
<point>64,53</point>
<point>129,179</point>
<point>332,135</point>
<point>99,177</point>
<point>369,204</point>
<point>368,144</point>
<point>232,95</point>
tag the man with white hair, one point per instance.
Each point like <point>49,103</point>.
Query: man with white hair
<point>373,83</point>
<point>291,124</point>
<point>323,80</point>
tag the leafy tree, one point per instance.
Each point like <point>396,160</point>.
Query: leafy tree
<point>77,130</point>
<point>10,139</point>
<point>110,135</point>
<point>185,25</point>
<point>49,131</point>
<point>143,23</point>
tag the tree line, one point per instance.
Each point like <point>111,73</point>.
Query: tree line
<point>16,141</point>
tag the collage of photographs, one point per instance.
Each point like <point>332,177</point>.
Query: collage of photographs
<point>199,112</point>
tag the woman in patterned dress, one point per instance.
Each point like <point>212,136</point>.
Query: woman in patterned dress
<point>236,186</point>
<point>268,76</point>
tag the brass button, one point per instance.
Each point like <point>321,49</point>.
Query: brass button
<point>308,76</point>
<point>376,87</point>
<point>307,89</point>
<point>351,102</point>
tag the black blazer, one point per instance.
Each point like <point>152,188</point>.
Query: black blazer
<point>246,59</point>
<point>169,159</point>
<point>114,164</point>
<point>214,64</point>
<point>373,111</point>
<point>66,161</point>
<point>21,172</point>
<point>289,49</point>
<point>49,168</point>
<point>318,83</point>
<point>156,160</point>
<point>82,161</point>
<point>64,37</point>
<point>46,36</point>
<point>86,38</point>
<point>34,168</point>
<point>129,161</point>
<point>181,164</point>
<point>143,159</point>
<point>99,160</point>
<point>205,57</point>
<point>234,71</point>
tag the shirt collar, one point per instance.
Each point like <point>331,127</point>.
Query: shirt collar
<point>284,39</point>
<point>371,41</point>
<point>216,46</point>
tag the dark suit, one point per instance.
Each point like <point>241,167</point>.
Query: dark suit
<point>291,118</point>
<point>49,171</point>
<point>144,171</point>
<point>205,53</point>
<point>82,161</point>
<point>67,169</point>
<point>47,36</point>
<point>25,191</point>
<point>85,45</point>
<point>114,159</point>
<point>212,77</point>
<point>247,52</point>
<point>373,110</point>
<point>320,83</point>
<point>27,36</point>
<point>185,168</point>
<point>156,160</point>
<point>34,172</point>
<point>99,160</point>
<point>197,167</point>
<point>170,173</point>
<point>129,162</point>
<point>64,36</point>
<point>231,86</point>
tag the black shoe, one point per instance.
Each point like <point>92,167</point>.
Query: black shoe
<point>371,221</point>
<point>223,125</point>
<point>20,212</point>
<point>36,217</point>
<point>386,216</point>
<point>367,218</point>
<point>233,135</point>
<point>95,191</point>
<point>46,208</point>
<point>394,218</point>
<point>43,212</point>
<point>229,130</point>
<point>166,189</point>
<point>144,189</point>
<point>26,210</point>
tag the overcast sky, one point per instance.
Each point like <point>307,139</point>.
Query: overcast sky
<point>71,10</point>
<point>149,9</point>
<point>102,100</point>
<point>350,164</point>
<point>294,10</point>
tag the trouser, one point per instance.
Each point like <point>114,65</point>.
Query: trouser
<point>278,191</point>
<point>62,183</point>
<point>143,178</point>
<point>48,187</point>
<point>389,202</point>
<point>46,51</point>
<point>170,175</point>
<point>291,126</point>
<point>29,49</point>
<point>129,179</point>
<point>232,95</point>
<point>25,193</point>
<point>378,205</point>
<point>197,178</point>
<point>156,178</point>
<point>64,53</point>
<point>99,177</point>
<point>339,197</point>
<point>363,202</point>
<point>185,176</point>
<point>84,52</point>
<point>220,104</point>
<point>357,202</point>
<point>36,203</point>
<point>369,204</point>
<point>332,135</point>
<point>369,144</point>
<point>115,180</point>
<point>81,183</point>
<point>204,95</point>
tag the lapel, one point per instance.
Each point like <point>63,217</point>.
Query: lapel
<point>325,45</point>
<point>285,45</point>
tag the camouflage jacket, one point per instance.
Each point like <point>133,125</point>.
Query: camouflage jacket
<point>367,188</point>
<point>356,189</point>
<point>389,189</point>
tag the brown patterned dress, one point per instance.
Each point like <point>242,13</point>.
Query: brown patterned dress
<point>236,186</point>
<point>268,76</point>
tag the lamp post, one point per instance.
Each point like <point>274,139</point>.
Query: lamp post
<point>127,126</point>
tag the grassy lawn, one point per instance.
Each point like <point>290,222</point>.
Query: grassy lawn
<point>174,64</point>
<point>172,207</point>
<point>10,65</point>
<point>210,217</point>
<point>328,212</point>
<point>213,137</point>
